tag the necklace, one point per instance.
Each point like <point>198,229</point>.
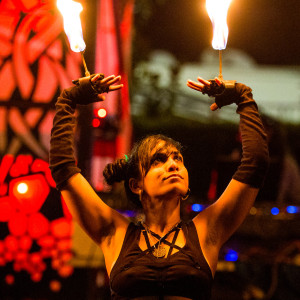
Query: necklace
<point>159,251</point>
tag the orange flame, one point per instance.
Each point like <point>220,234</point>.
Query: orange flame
<point>70,11</point>
<point>217,11</point>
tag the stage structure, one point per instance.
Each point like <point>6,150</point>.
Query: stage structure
<point>36,63</point>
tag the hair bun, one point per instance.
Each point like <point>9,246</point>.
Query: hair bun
<point>115,172</point>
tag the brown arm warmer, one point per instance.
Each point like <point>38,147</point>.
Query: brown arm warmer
<point>62,159</point>
<point>255,159</point>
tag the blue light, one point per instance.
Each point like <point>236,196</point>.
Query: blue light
<point>197,207</point>
<point>231,255</point>
<point>292,209</point>
<point>275,211</point>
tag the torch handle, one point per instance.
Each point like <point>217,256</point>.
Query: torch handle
<point>220,65</point>
<point>87,73</point>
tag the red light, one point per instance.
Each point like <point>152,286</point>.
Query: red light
<point>55,286</point>
<point>25,242</point>
<point>61,228</point>
<point>36,277</point>
<point>6,209</point>
<point>66,256</point>
<point>38,225</point>
<point>9,279</point>
<point>11,243</point>
<point>102,113</point>
<point>1,247</point>
<point>65,270</point>
<point>65,244</point>
<point>18,224</point>
<point>22,188</point>
<point>46,242</point>
<point>29,192</point>
<point>96,123</point>
<point>21,256</point>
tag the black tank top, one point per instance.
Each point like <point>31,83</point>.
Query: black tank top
<point>137,273</point>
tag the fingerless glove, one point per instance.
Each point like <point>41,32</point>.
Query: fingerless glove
<point>62,161</point>
<point>255,157</point>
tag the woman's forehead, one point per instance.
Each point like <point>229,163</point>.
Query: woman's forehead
<point>163,147</point>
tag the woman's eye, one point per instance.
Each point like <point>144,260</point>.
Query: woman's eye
<point>159,158</point>
<point>178,158</point>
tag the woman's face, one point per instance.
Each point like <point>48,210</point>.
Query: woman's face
<point>167,174</point>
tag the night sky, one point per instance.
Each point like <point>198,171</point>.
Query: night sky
<point>268,30</point>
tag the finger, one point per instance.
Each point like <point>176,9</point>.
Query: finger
<point>95,78</point>
<point>115,87</point>
<point>108,78</point>
<point>195,88</point>
<point>194,85</point>
<point>113,80</point>
<point>214,107</point>
<point>218,81</point>
<point>203,81</point>
<point>101,97</point>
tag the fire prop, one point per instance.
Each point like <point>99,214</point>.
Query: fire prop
<point>70,11</point>
<point>217,11</point>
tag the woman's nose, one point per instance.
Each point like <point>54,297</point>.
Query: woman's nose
<point>172,165</point>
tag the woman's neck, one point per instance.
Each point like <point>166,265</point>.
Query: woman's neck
<point>162,219</point>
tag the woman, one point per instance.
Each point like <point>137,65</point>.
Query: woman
<point>162,257</point>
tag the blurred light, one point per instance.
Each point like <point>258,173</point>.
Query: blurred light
<point>253,211</point>
<point>22,188</point>
<point>65,270</point>
<point>6,209</point>
<point>2,247</point>
<point>291,209</point>
<point>25,242</point>
<point>55,286</point>
<point>11,243</point>
<point>36,277</point>
<point>102,113</point>
<point>275,211</point>
<point>31,201</point>
<point>47,241</point>
<point>38,225</point>
<point>61,228</point>
<point>197,207</point>
<point>64,244</point>
<point>9,279</point>
<point>18,224</point>
<point>96,123</point>
<point>231,255</point>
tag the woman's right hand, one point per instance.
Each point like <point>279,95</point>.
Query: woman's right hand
<point>106,84</point>
<point>90,89</point>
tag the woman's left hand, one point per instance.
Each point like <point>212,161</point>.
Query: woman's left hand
<point>203,86</point>
<point>106,84</point>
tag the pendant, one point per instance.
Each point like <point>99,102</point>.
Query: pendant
<point>159,252</point>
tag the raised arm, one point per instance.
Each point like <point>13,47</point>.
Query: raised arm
<point>223,217</point>
<point>104,225</point>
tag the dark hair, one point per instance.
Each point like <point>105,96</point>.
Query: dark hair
<point>138,163</point>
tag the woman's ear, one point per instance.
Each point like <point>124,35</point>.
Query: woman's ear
<point>135,186</point>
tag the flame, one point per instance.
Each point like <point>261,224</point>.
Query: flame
<point>217,11</point>
<point>72,24</point>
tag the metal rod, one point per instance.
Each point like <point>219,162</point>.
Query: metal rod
<point>87,73</point>
<point>220,65</point>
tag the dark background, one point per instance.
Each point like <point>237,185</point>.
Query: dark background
<point>268,30</point>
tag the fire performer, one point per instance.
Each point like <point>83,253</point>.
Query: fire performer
<point>161,257</point>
